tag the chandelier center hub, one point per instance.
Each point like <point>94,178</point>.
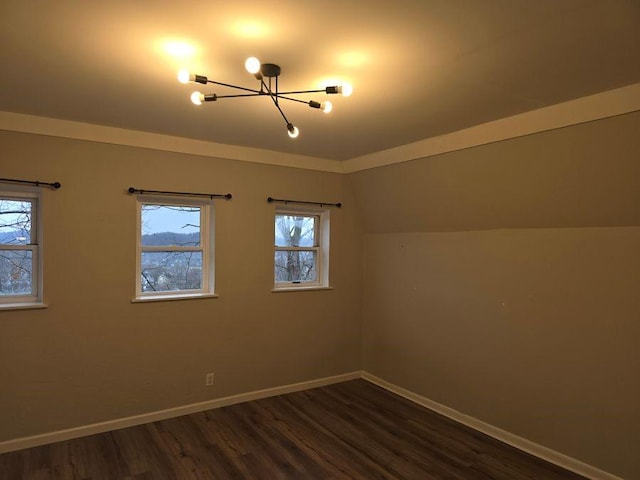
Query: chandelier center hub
<point>270,70</point>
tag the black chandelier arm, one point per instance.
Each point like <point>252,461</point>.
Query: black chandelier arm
<point>292,99</point>
<point>275,102</point>
<point>297,92</point>
<point>260,94</point>
<point>234,86</point>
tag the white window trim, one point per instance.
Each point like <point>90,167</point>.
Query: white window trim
<point>323,235</point>
<point>34,300</point>
<point>207,230</point>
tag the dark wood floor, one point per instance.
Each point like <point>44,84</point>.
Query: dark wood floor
<point>351,430</point>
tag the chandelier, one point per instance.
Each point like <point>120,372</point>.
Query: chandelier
<point>268,88</point>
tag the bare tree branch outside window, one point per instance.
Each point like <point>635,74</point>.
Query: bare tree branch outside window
<point>179,267</point>
<point>296,252</point>
<point>16,257</point>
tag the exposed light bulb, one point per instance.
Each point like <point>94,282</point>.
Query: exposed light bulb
<point>197,98</point>
<point>326,106</point>
<point>293,131</point>
<point>184,76</point>
<point>252,64</point>
<point>346,90</point>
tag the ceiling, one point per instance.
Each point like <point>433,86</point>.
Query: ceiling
<point>419,68</point>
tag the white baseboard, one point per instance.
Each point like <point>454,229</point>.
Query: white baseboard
<point>520,443</point>
<point>70,433</point>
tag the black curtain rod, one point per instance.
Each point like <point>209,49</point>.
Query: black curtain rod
<point>322,204</point>
<point>182,194</point>
<point>35,183</point>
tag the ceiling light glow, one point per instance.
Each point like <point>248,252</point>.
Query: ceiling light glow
<point>251,29</point>
<point>353,59</point>
<point>179,48</point>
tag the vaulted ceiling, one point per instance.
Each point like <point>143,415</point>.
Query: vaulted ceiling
<point>419,68</point>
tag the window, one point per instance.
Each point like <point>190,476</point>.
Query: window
<point>301,249</point>
<point>20,249</point>
<point>175,254</point>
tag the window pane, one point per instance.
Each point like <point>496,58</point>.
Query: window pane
<point>177,225</point>
<point>15,272</point>
<point>15,222</point>
<point>295,231</point>
<point>169,271</point>
<point>296,266</point>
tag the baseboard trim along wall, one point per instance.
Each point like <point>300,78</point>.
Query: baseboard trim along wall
<point>92,429</point>
<point>520,443</point>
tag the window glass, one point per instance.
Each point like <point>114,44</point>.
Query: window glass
<point>19,249</point>
<point>295,231</point>
<point>169,271</point>
<point>16,272</point>
<point>295,266</point>
<point>15,221</point>
<point>174,249</point>
<point>301,250</point>
<point>170,225</point>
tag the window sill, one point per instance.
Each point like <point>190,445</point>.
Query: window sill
<point>22,306</point>
<point>167,298</point>
<point>298,289</point>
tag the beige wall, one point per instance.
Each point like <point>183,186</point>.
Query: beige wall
<point>92,355</point>
<point>503,281</point>
<point>585,175</point>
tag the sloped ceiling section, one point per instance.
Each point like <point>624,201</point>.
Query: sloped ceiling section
<point>420,68</point>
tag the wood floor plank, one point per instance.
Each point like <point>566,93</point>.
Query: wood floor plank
<point>352,430</point>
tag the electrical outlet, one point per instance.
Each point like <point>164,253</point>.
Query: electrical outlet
<point>208,381</point>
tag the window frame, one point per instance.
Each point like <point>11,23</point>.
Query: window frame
<point>34,299</point>
<point>321,247</point>
<point>206,248</point>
